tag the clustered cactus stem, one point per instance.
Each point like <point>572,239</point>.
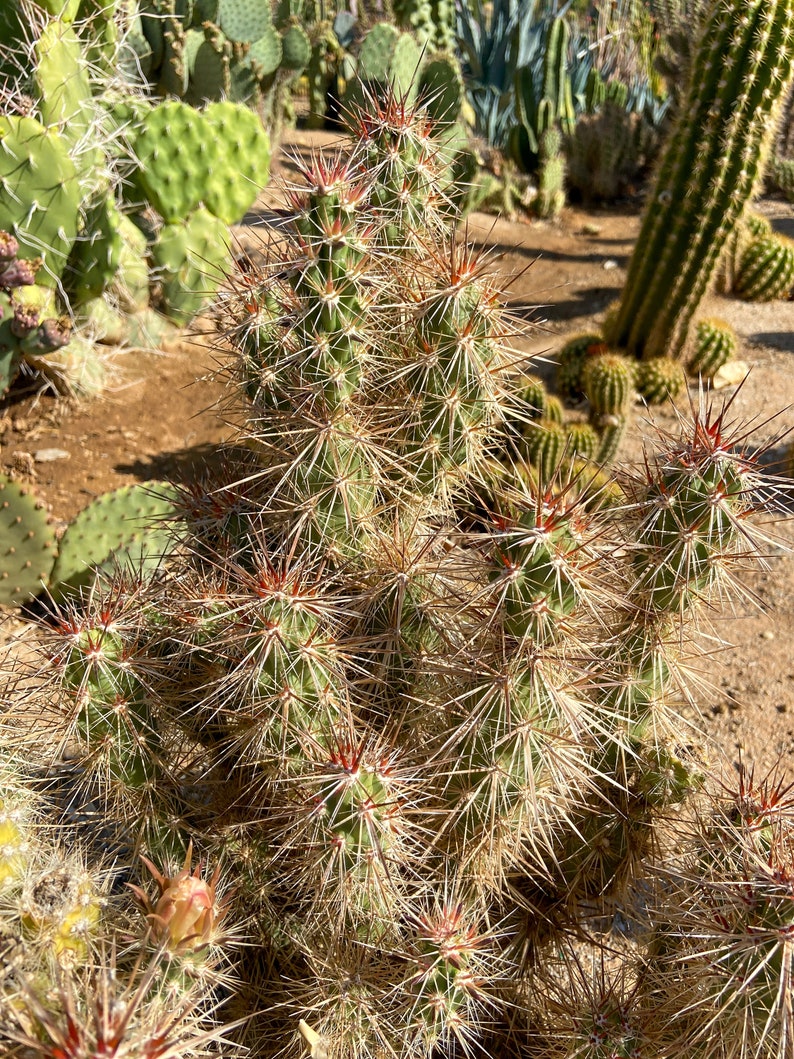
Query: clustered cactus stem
<point>740,71</point>
<point>417,719</point>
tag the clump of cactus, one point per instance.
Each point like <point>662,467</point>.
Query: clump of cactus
<point>85,161</point>
<point>708,172</point>
<point>27,334</point>
<point>414,753</point>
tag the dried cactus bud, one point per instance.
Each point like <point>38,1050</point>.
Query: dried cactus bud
<point>51,335</point>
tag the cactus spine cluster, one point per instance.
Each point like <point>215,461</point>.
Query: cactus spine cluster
<point>420,749</point>
<point>708,172</point>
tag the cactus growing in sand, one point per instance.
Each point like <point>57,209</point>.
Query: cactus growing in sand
<point>418,714</point>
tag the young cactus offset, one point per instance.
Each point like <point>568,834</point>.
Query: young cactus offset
<point>766,269</point>
<point>714,345</point>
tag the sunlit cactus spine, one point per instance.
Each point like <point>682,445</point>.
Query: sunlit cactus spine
<point>708,172</point>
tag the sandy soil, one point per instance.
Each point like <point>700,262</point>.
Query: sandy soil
<point>558,276</point>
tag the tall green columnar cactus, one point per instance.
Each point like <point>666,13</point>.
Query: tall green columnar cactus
<point>709,170</point>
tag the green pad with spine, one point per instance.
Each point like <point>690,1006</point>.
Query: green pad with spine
<point>192,259</point>
<point>27,544</point>
<point>244,21</point>
<point>246,148</point>
<point>130,527</point>
<point>39,194</point>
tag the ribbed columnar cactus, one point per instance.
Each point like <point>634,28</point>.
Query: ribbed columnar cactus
<point>740,71</point>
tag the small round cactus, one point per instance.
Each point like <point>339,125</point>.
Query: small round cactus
<point>766,269</point>
<point>544,447</point>
<point>714,345</point>
<point>660,379</point>
<point>571,360</point>
<point>607,383</point>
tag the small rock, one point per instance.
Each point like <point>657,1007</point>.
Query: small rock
<point>767,634</point>
<point>591,229</point>
<point>50,455</point>
<point>609,264</point>
<point>730,374</point>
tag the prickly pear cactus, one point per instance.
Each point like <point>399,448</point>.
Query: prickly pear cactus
<point>27,544</point>
<point>131,527</point>
<point>191,260</point>
<point>39,193</point>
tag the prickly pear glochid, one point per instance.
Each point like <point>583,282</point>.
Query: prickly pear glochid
<point>418,709</point>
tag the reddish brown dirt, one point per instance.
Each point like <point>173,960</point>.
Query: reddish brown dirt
<point>559,277</point>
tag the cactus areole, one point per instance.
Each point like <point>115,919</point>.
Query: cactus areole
<point>740,71</point>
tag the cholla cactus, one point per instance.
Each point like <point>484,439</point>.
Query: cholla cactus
<point>422,712</point>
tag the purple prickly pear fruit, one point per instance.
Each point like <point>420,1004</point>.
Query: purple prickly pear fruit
<point>9,247</point>
<point>51,335</point>
<point>18,274</point>
<point>26,319</point>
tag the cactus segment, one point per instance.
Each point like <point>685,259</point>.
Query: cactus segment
<point>441,88</point>
<point>766,269</point>
<point>27,543</point>
<point>296,49</point>
<point>265,53</point>
<point>571,361</point>
<point>377,50</point>
<point>607,383</point>
<point>233,185</point>
<point>244,21</point>
<point>130,527</point>
<point>660,379</point>
<point>39,193</point>
<point>63,86</point>
<point>130,285</point>
<point>96,256</point>
<point>714,345</point>
<point>185,157</point>
<point>174,155</point>
<point>192,258</point>
<point>709,170</point>
<point>543,445</point>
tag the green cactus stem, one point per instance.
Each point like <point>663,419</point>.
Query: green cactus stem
<point>27,544</point>
<point>714,345</point>
<point>766,269</point>
<point>708,173</point>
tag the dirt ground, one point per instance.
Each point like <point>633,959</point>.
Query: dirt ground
<point>157,422</point>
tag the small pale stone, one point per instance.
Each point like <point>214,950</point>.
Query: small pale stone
<point>730,374</point>
<point>609,264</point>
<point>50,455</point>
